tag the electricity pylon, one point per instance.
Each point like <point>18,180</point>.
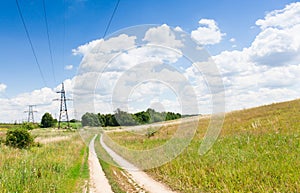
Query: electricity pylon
<point>63,112</point>
<point>30,113</point>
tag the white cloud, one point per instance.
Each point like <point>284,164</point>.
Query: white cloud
<point>259,97</point>
<point>233,62</point>
<point>69,67</point>
<point>250,76</point>
<point>152,95</point>
<point>274,47</point>
<point>284,18</point>
<point>232,40</point>
<point>119,43</point>
<point>86,48</point>
<point>268,70</point>
<point>104,62</point>
<point>179,29</point>
<point>279,41</point>
<point>280,77</point>
<point>13,108</point>
<point>207,33</point>
<point>2,87</point>
<point>163,36</point>
<point>96,54</point>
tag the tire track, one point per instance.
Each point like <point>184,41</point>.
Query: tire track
<point>140,177</point>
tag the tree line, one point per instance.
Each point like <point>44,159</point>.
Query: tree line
<point>127,119</point>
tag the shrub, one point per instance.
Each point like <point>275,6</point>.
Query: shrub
<point>150,132</point>
<point>19,138</point>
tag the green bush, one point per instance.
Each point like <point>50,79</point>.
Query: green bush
<point>19,138</point>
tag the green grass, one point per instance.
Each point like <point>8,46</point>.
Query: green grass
<point>54,167</point>
<point>5,126</point>
<point>244,163</point>
<point>75,125</point>
<point>258,151</point>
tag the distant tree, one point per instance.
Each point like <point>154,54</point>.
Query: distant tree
<point>47,121</point>
<point>124,118</point>
<point>127,119</point>
<point>155,116</point>
<point>73,121</point>
<point>90,119</point>
<point>110,120</point>
<point>87,120</point>
<point>101,118</point>
<point>142,117</point>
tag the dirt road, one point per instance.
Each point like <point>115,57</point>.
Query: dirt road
<point>98,181</point>
<point>140,177</point>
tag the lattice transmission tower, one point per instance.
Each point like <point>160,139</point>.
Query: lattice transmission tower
<point>30,113</point>
<point>63,111</point>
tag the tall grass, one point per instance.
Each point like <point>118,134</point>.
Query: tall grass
<point>258,151</point>
<point>54,167</point>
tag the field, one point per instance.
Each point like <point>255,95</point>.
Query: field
<point>58,164</point>
<point>258,150</point>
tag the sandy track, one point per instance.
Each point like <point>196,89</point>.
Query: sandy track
<point>140,177</point>
<point>98,181</point>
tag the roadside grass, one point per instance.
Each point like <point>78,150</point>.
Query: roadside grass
<point>117,177</point>
<point>53,167</point>
<point>258,151</point>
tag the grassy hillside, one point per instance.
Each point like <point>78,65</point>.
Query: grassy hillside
<point>258,151</point>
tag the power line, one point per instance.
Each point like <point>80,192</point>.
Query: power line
<point>49,43</point>
<point>111,18</point>
<point>30,42</point>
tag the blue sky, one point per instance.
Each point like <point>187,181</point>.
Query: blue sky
<point>85,21</point>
